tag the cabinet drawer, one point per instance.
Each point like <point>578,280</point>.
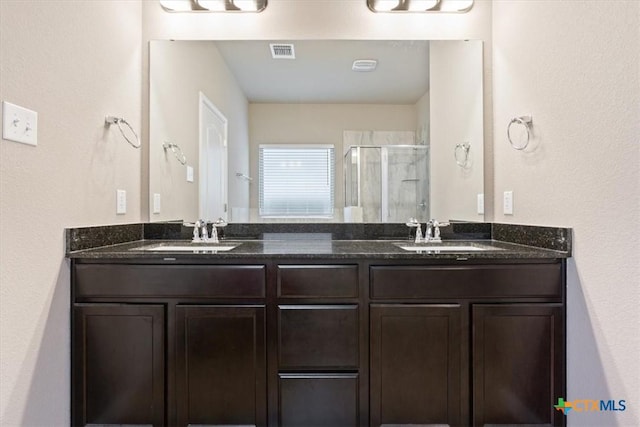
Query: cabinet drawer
<point>318,281</point>
<point>318,337</point>
<point>525,280</point>
<point>212,281</point>
<point>318,399</point>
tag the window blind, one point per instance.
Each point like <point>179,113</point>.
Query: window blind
<point>296,181</point>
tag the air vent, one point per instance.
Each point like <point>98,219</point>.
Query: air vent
<point>364,65</point>
<point>282,51</point>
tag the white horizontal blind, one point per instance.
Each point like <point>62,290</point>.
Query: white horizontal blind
<point>296,181</point>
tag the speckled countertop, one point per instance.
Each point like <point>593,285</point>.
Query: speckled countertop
<point>316,247</point>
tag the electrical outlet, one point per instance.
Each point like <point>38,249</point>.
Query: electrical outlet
<point>480,207</point>
<point>507,205</point>
<point>156,203</point>
<point>121,202</point>
<point>19,124</point>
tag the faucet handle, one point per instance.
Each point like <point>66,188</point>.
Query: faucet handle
<point>436,229</point>
<point>419,234</point>
<point>412,222</point>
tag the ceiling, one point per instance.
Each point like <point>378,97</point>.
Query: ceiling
<point>321,71</point>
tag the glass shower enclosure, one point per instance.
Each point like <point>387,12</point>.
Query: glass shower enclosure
<point>388,183</point>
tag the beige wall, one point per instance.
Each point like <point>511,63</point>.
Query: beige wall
<point>456,118</point>
<point>575,66</point>
<point>180,71</point>
<point>320,124</point>
<point>73,63</point>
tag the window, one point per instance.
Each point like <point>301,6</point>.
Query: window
<point>296,181</point>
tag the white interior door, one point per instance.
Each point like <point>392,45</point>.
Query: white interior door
<point>213,161</point>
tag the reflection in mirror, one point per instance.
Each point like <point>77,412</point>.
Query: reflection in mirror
<point>394,130</point>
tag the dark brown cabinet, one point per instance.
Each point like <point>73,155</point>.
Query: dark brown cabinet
<point>495,357</point>
<point>319,346</point>
<point>220,365</point>
<point>416,364</point>
<point>118,364</point>
<point>518,364</point>
<point>168,345</point>
<point>313,342</point>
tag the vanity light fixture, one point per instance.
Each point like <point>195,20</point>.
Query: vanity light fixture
<point>213,5</point>
<point>451,6</point>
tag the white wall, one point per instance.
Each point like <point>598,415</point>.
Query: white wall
<point>424,119</point>
<point>575,66</point>
<point>73,63</point>
<point>320,124</point>
<point>180,71</point>
<point>455,98</point>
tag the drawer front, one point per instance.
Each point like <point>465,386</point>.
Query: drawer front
<point>519,281</point>
<point>318,337</point>
<point>318,400</point>
<point>318,281</point>
<point>211,281</point>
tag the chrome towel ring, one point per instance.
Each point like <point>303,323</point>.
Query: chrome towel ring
<point>461,154</point>
<point>110,120</point>
<point>525,121</point>
<point>176,150</point>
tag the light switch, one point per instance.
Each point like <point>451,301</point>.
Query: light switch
<point>189,174</point>
<point>480,208</point>
<point>121,202</point>
<point>507,200</point>
<point>156,203</point>
<point>19,124</point>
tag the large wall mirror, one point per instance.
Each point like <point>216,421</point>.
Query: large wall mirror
<point>310,131</point>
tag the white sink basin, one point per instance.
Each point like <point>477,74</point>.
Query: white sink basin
<point>187,248</point>
<point>443,248</point>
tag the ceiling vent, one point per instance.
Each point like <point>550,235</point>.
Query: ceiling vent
<point>282,51</point>
<point>364,65</point>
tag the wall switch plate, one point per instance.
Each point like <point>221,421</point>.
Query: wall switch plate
<point>156,203</point>
<point>121,202</point>
<point>19,124</point>
<point>507,205</point>
<point>189,174</point>
<point>480,208</point>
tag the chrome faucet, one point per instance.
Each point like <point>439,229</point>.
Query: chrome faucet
<point>214,234</point>
<point>200,232</point>
<point>432,233</point>
<point>413,223</point>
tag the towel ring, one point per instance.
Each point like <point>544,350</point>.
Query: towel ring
<point>176,150</point>
<point>110,120</point>
<point>463,149</point>
<point>525,121</point>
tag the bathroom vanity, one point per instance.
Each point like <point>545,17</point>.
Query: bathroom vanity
<point>361,333</point>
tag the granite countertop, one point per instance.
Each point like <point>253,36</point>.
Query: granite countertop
<point>315,247</point>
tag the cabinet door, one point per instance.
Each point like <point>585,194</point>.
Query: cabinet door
<point>118,364</point>
<point>220,365</point>
<point>416,364</point>
<point>518,364</point>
